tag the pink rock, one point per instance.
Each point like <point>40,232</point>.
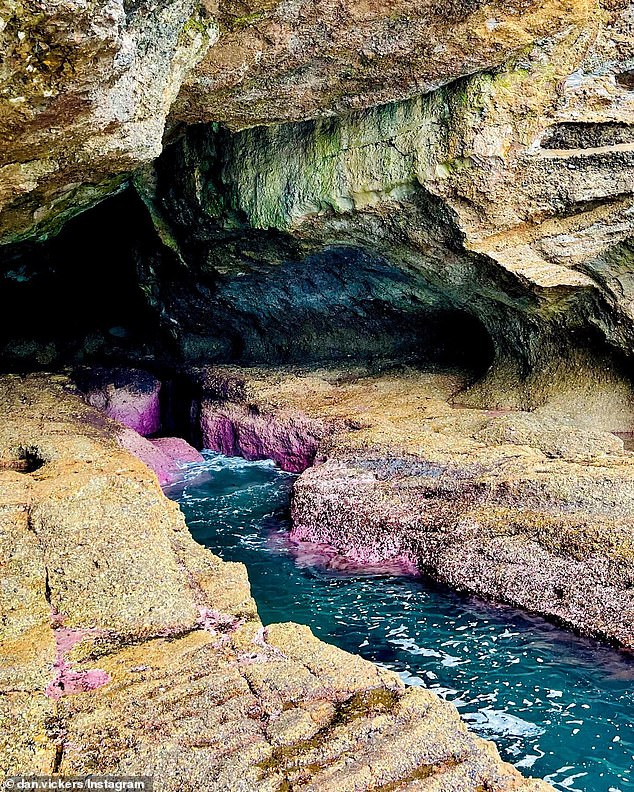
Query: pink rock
<point>66,680</point>
<point>216,622</point>
<point>325,556</point>
<point>290,439</point>
<point>338,512</point>
<point>157,460</point>
<point>177,449</point>
<point>130,396</point>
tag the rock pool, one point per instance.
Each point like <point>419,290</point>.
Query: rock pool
<point>557,706</point>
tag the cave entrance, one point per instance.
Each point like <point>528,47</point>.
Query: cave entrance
<point>106,292</point>
<point>338,304</point>
<point>80,291</point>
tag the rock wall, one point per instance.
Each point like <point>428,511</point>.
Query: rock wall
<point>490,203</point>
<point>476,200</point>
<point>85,88</point>
<point>298,60</point>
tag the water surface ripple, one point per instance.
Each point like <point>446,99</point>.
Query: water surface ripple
<point>557,706</point>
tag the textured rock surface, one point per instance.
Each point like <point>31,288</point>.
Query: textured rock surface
<point>85,88</point>
<point>293,61</point>
<point>235,430</point>
<point>513,506</point>
<point>504,196</point>
<point>177,449</point>
<point>498,204</point>
<point>129,396</point>
<point>164,465</point>
<point>128,648</point>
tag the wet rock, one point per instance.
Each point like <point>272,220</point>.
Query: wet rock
<point>291,440</point>
<point>149,453</point>
<point>515,507</point>
<point>177,449</point>
<point>240,428</point>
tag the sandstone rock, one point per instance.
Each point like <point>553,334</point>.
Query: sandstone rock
<point>166,456</point>
<point>505,196</point>
<point>290,439</point>
<point>555,437</point>
<point>279,62</point>
<point>177,449</point>
<point>82,111</point>
<point>164,465</point>
<point>493,209</point>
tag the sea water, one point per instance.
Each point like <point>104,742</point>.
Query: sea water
<point>557,706</point>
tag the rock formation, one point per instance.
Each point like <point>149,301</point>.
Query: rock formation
<point>484,213</point>
<point>326,186</point>
<point>128,396</point>
<point>516,507</point>
<point>127,648</point>
<point>85,91</point>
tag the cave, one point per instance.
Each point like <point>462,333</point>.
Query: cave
<point>317,395</point>
<point>99,298</point>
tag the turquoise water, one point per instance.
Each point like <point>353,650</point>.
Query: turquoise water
<point>557,706</point>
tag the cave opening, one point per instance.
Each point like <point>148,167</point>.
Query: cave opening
<point>106,292</point>
<point>76,297</point>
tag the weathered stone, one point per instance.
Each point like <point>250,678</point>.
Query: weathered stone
<point>85,88</point>
<point>516,507</point>
<point>129,396</point>
<point>150,657</point>
<point>278,62</point>
<point>289,439</point>
<point>500,196</point>
<point>177,449</point>
<point>150,454</point>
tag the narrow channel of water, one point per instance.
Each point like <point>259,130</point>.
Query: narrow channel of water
<point>558,707</point>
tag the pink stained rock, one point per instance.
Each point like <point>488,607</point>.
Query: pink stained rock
<point>177,449</point>
<point>66,680</point>
<point>130,396</point>
<point>289,439</point>
<point>339,514</point>
<point>324,556</point>
<point>165,467</point>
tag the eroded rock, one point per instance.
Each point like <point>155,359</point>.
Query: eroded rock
<point>85,88</point>
<point>513,506</point>
<point>130,396</point>
<point>132,649</point>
